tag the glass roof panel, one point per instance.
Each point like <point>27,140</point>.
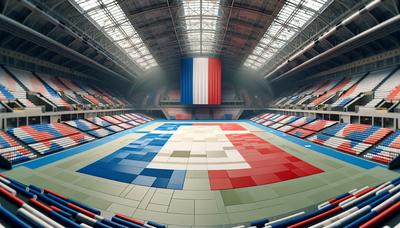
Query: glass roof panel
<point>290,21</point>
<point>200,24</point>
<point>108,16</point>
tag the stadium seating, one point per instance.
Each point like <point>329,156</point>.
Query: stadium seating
<point>98,121</point>
<point>111,119</point>
<point>50,146</point>
<point>301,133</point>
<point>56,85</point>
<point>275,125</point>
<point>344,85</point>
<point>78,90</point>
<point>82,125</point>
<point>120,118</point>
<point>11,89</point>
<point>288,119</point>
<point>133,123</point>
<point>387,151</point>
<point>125,125</point>
<point>286,128</point>
<point>31,206</point>
<point>32,83</point>
<point>301,121</point>
<point>356,139</point>
<point>318,125</point>
<point>387,90</point>
<point>48,138</point>
<point>341,144</point>
<point>100,133</point>
<point>114,128</point>
<point>268,123</point>
<point>41,132</point>
<point>358,132</point>
<point>320,93</point>
<point>364,207</point>
<point>367,84</point>
<point>12,152</point>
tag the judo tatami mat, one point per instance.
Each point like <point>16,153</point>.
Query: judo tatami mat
<point>197,205</point>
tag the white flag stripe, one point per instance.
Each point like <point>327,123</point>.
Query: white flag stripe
<point>200,81</point>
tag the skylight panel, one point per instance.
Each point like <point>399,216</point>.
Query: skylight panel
<point>108,16</point>
<point>290,21</point>
<point>200,24</point>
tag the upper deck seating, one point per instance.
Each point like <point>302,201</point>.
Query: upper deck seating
<point>35,85</point>
<point>387,89</point>
<point>11,89</point>
<point>367,84</point>
<point>344,85</point>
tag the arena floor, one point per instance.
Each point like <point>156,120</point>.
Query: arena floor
<point>201,173</point>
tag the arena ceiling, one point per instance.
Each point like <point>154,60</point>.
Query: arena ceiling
<point>130,37</point>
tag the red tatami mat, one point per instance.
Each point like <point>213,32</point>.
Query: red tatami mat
<point>269,164</point>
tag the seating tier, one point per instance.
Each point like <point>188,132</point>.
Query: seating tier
<point>58,144</point>
<point>344,145</point>
<point>100,133</point>
<point>98,121</point>
<point>358,132</point>
<point>82,125</point>
<point>41,132</point>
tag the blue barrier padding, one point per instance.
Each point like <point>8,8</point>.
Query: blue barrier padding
<point>12,219</point>
<point>125,223</point>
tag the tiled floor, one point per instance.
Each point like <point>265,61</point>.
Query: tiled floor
<point>130,164</point>
<point>195,205</point>
<point>234,157</point>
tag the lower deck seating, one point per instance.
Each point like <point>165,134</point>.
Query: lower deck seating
<point>133,123</point>
<point>302,121</point>
<point>12,151</point>
<point>100,133</point>
<point>365,207</point>
<point>41,132</point>
<point>98,121</point>
<point>289,119</point>
<point>267,123</point>
<point>341,144</point>
<point>356,139</point>
<point>387,151</point>
<point>301,133</point>
<point>358,132</point>
<point>82,125</point>
<point>111,119</point>
<point>120,118</point>
<point>318,125</point>
<point>42,139</point>
<point>125,125</point>
<point>286,128</point>
<point>275,125</point>
<point>54,145</point>
<point>32,206</point>
<point>114,128</point>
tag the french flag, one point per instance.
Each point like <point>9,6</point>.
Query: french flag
<point>200,81</point>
